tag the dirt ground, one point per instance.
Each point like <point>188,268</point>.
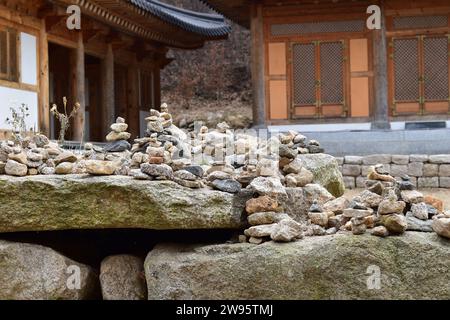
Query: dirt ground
<point>443,194</point>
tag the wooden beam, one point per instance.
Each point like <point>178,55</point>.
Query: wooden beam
<point>380,114</point>
<point>44,83</point>
<point>53,21</point>
<point>257,65</point>
<point>78,88</point>
<point>108,101</point>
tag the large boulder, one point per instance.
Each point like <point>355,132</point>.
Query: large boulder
<point>38,203</point>
<point>341,266</point>
<point>33,272</point>
<point>122,278</point>
<point>326,172</point>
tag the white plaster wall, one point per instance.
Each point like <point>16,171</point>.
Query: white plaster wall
<point>14,98</point>
<point>28,58</point>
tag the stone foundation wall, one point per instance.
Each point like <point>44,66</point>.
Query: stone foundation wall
<point>426,171</point>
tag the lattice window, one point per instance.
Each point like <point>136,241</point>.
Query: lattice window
<point>332,72</point>
<point>420,22</point>
<point>436,77</point>
<point>8,55</point>
<point>317,27</point>
<point>304,74</point>
<point>406,69</point>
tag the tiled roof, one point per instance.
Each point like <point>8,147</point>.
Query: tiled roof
<point>205,24</point>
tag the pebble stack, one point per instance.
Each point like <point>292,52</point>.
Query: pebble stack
<point>118,137</point>
<point>387,206</point>
<point>268,222</point>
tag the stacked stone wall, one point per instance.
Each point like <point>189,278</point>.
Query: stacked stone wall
<point>426,171</point>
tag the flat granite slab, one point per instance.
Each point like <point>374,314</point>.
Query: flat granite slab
<point>45,203</point>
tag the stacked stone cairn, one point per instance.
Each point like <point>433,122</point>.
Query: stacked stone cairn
<point>34,155</point>
<point>386,207</point>
<point>268,222</point>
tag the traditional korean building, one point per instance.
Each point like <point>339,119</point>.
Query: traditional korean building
<point>111,65</point>
<point>316,61</point>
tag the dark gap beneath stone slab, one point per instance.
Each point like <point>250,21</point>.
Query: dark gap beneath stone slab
<point>92,246</point>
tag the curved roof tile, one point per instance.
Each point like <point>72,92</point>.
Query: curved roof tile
<point>205,24</point>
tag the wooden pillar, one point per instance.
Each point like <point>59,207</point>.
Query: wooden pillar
<point>257,65</point>
<point>133,99</point>
<point>108,101</point>
<point>78,88</point>
<point>44,83</point>
<point>380,120</point>
<point>157,88</point>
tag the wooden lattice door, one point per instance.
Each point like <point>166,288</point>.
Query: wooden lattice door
<point>318,79</point>
<point>420,75</point>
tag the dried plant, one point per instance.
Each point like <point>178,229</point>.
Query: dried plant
<point>18,123</point>
<point>64,118</point>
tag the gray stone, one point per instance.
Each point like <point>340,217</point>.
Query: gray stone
<point>420,210</point>
<point>316,192</point>
<point>357,213</point>
<point>99,202</point>
<point>444,182</point>
<point>287,152</point>
<point>157,170</point>
<point>33,272</point>
<point>415,224</point>
<point>14,168</point>
<point>300,179</point>
<point>428,182</point>
<point>325,170</point>
<point>196,170</point>
<point>365,171</point>
<point>286,230</point>
<point>376,159</point>
<point>185,175</point>
<point>444,170</point>
<point>340,160</point>
<point>230,185</point>
<point>370,199</point>
<point>361,182</point>
<point>397,170</point>
<point>328,268</point>
<point>442,227</point>
<point>418,158</point>
<point>353,170</point>
<point>118,146</point>
<point>400,159</point>
<point>121,278</point>
<point>353,160</point>
<point>440,159</point>
<point>412,196</point>
<point>337,205</point>
<point>267,186</point>
<point>295,166</point>
<point>415,169</point>
<point>260,231</point>
<point>430,170</point>
<point>349,182</point>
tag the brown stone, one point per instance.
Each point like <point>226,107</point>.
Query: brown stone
<point>156,160</point>
<point>434,202</point>
<point>261,204</point>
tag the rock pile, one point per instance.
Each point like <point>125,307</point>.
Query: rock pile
<point>386,207</point>
<point>118,137</point>
<point>268,222</point>
<point>34,155</point>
